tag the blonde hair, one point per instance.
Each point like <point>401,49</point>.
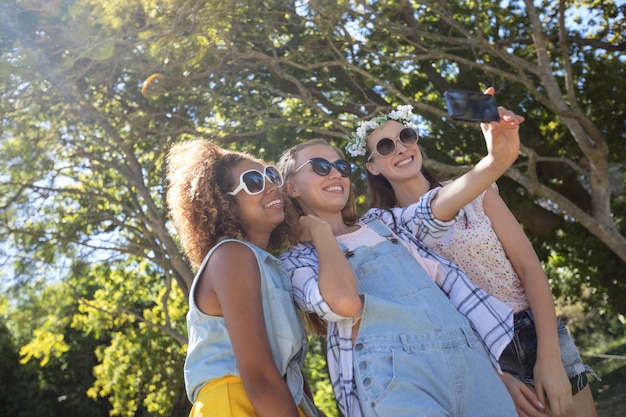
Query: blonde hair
<point>287,165</point>
<point>199,176</point>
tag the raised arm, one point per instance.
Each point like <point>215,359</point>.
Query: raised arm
<point>336,279</point>
<point>502,140</point>
<point>416,219</point>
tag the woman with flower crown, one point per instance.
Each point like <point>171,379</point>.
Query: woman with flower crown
<point>490,246</point>
<point>397,346</point>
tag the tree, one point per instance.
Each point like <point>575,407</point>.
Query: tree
<point>18,384</point>
<point>59,386</point>
<point>81,186</point>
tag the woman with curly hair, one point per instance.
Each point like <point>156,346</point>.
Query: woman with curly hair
<point>247,343</point>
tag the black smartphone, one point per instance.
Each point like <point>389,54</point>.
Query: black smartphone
<point>471,106</point>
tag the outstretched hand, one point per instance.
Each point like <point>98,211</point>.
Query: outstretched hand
<point>502,138</point>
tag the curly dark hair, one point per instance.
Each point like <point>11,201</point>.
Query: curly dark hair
<point>199,177</point>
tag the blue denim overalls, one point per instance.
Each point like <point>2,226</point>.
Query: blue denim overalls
<point>415,354</point>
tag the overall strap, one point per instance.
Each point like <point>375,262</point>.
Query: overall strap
<point>379,227</point>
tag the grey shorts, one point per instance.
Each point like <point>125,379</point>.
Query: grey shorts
<point>520,355</point>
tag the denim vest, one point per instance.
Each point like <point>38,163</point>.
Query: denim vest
<point>411,340</point>
<point>210,353</point>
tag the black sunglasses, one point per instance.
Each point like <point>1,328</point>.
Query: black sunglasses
<point>385,146</point>
<point>252,181</point>
<point>322,167</point>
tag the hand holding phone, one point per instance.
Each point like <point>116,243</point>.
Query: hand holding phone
<point>470,106</point>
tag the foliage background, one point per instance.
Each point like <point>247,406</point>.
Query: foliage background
<point>94,93</point>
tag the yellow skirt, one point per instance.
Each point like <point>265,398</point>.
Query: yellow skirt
<point>224,397</point>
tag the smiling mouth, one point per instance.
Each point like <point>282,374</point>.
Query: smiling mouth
<point>274,203</point>
<point>334,188</point>
<point>405,161</point>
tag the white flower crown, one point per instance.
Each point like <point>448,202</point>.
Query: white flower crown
<point>356,142</point>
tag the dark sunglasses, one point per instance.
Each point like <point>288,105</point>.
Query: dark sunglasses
<point>385,146</point>
<point>322,166</point>
<point>252,181</point>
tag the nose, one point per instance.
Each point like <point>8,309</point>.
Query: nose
<point>270,186</point>
<point>400,146</point>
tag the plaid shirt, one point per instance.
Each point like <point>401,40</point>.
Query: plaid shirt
<point>492,319</point>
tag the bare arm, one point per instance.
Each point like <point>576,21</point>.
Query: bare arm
<point>233,276</point>
<point>336,279</point>
<point>549,373</point>
<point>502,140</point>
